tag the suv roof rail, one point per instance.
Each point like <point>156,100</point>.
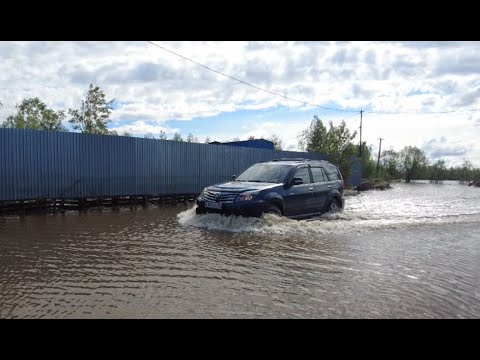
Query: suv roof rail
<point>290,159</point>
<point>297,159</point>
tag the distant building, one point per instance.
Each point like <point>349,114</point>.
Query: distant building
<point>257,143</point>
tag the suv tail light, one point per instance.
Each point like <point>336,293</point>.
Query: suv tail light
<point>342,182</point>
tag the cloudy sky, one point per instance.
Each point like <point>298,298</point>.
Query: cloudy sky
<point>412,93</point>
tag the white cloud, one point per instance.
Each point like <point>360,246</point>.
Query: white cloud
<point>140,128</point>
<point>442,148</point>
<point>154,86</point>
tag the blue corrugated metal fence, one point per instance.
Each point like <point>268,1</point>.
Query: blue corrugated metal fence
<point>41,164</point>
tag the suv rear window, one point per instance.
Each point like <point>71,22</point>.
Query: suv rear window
<point>318,174</point>
<point>332,173</point>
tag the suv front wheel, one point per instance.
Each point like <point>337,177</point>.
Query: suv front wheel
<point>272,209</point>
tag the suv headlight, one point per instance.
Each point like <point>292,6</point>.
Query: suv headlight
<point>246,196</point>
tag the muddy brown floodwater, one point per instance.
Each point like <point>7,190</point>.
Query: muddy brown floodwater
<point>410,252</point>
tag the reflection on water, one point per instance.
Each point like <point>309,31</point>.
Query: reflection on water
<point>409,252</point>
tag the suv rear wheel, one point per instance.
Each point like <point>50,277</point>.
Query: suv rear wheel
<point>333,206</point>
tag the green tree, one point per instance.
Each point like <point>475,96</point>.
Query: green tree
<point>453,173</point>
<point>177,137</point>
<point>368,163</point>
<point>466,171</point>
<point>463,173</point>
<point>413,163</point>
<point>437,172</point>
<point>277,142</point>
<point>251,137</point>
<point>162,135</point>
<point>335,141</point>
<point>34,114</point>
<point>207,140</point>
<point>236,138</point>
<point>390,165</point>
<point>126,134</point>
<point>476,174</point>
<point>149,136</point>
<point>93,115</point>
<point>191,139</point>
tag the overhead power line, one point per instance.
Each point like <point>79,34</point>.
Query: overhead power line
<point>348,117</point>
<point>413,112</point>
<point>249,84</point>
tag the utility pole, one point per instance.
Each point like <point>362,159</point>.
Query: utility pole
<point>360,150</point>
<point>379,150</point>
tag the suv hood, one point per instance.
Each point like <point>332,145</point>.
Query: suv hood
<point>239,186</point>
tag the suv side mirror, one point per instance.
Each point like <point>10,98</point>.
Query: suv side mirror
<point>296,181</point>
<point>233,177</point>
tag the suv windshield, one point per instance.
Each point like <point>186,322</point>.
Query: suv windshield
<point>265,173</point>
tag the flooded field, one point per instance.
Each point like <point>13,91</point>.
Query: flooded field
<point>409,252</point>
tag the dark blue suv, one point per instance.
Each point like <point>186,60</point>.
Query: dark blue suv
<point>296,188</point>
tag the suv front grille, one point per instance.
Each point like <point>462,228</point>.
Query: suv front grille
<point>220,196</point>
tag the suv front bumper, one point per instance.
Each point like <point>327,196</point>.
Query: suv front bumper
<point>252,208</point>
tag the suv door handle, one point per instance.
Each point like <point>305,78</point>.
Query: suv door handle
<point>310,189</point>
<point>329,186</point>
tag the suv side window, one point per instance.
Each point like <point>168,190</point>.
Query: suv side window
<point>318,175</point>
<point>304,174</point>
<point>332,173</point>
